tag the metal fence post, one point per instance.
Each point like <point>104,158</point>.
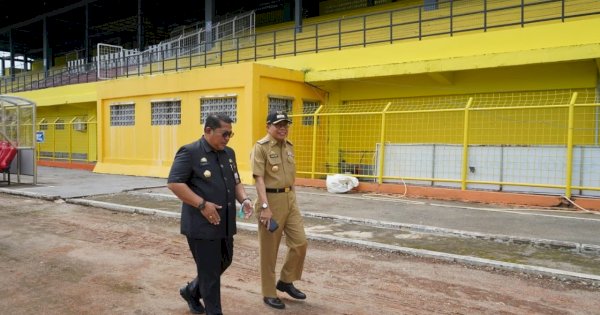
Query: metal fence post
<point>339,33</point>
<point>522,13</point>
<point>150,61</point>
<point>391,27</point>
<point>485,15</point>
<point>313,161</point>
<point>365,31</point>
<point>316,38</point>
<point>465,153</point>
<point>451,18</point>
<point>382,141</point>
<point>54,141</point>
<point>275,45</point>
<point>295,40</point>
<point>420,23</point>
<point>70,126</point>
<point>221,53</point>
<point>571,124</point>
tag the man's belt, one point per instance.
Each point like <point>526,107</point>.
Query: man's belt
<point>278,190</point>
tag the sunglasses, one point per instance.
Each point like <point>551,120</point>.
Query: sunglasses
<point>225,134</point>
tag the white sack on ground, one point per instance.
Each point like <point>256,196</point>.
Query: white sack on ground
<point>340,184</point>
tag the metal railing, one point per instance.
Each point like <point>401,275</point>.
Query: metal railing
<point>448,18</point>
<point>67,139</point>
<point>534,142</point>
<point>52,78</point>
<point>110,57</point>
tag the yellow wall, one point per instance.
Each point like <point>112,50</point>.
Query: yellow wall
<point>143,149</point>
<point>148,150</point>
<point>63,95</point>
<point>66,103</point>
<point>285,83</point>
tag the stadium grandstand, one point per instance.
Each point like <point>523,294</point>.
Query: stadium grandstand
<point>463,95</point>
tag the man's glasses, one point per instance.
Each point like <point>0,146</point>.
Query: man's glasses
<point>225,134</point>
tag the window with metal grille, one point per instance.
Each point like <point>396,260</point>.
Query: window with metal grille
<point>283,104</point>
<point>309,107</point>
<point>218,105</point>
<point>43,124</point>
<point>122,115</point>
<point>59,125</point>
<point>430,5</point>
<point>166,113</point>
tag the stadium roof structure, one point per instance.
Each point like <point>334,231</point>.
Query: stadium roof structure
<point>108,21</point>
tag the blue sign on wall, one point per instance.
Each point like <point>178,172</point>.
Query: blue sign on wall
<point>40,137</point>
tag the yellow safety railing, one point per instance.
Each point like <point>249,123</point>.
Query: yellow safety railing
<point>67,139</point>
<point>535,142</point>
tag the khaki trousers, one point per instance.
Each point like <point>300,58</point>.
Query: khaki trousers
<point>286,213</point>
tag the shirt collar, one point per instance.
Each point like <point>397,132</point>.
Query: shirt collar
<point>273,142</point>
<point>206,146</point>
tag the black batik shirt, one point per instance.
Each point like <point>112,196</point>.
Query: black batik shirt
<point>213,176</point>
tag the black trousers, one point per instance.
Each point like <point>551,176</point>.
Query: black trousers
<point>212,258</point>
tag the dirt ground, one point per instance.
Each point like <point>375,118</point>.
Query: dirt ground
<point>58,258</point>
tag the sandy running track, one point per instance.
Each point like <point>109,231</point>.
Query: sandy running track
<point>59,258</point>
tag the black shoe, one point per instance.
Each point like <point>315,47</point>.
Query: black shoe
<point>193,303</point>
<point>274,302</point>
<point>290,289</point>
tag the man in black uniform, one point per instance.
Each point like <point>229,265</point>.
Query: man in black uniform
<point>204,177</point>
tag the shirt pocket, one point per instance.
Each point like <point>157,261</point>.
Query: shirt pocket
<point>274,161</point>
<point>290,159</point>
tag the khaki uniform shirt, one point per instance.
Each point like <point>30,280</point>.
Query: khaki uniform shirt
<point>274,162</point>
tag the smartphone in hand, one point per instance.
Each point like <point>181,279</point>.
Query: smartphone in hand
<point>272,225</point>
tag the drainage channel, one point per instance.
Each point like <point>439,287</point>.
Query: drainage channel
<point>564,256</point>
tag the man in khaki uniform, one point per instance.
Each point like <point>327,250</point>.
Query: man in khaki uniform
<point>274,170</point>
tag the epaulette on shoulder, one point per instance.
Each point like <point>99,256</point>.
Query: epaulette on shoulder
<point>263,141</point>
<point>289,142</point>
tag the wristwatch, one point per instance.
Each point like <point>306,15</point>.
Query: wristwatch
<point>202,205</point>
<point>264,205</point>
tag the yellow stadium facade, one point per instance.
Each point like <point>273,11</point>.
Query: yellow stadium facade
<point>512,109</point>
